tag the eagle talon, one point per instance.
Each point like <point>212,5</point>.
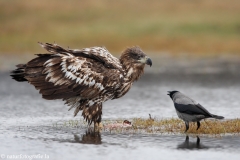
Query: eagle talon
<point>98,126</point>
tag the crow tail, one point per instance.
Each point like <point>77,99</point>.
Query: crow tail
<point>217,117</point>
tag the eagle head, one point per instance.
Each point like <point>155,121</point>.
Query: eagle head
<point>134,56</point>
<point>133,60</point>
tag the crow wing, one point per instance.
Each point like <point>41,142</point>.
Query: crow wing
<point>193,109</point>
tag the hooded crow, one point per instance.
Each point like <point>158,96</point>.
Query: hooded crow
<point>189,110</point>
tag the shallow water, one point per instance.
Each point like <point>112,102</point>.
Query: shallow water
<point>28,123</point>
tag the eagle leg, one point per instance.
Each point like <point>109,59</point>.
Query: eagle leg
<point>97,121</point>
<point>198,125</point>
<point>93,114</point>
<point>98,126</point>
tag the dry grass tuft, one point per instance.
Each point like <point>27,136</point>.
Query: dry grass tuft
<point>211,127</point>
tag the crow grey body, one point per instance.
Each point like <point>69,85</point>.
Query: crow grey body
<point>189,110</point>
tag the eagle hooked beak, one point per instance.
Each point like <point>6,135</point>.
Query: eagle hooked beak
<point>146,60</point>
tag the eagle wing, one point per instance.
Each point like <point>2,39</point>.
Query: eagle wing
<point>79,74</point>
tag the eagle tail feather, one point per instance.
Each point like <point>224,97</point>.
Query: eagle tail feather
<point>19,73</point>
<point>31,70</point>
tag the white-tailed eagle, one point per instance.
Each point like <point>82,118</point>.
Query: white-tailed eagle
<point>85,78</point>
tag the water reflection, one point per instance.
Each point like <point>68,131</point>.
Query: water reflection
<point>191,145</point>
<point>90,137</point>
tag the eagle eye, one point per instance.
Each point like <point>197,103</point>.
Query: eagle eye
<point>137,56</point>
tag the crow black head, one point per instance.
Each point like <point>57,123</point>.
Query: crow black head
<point>171,93</point>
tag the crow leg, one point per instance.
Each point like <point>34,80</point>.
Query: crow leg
<point>198,140</point>
<point>187,125</point>
<point>198,125</point>
<point>198,143</point>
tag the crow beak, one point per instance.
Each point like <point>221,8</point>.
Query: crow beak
<point>148,61</point>
<point>169,93</point>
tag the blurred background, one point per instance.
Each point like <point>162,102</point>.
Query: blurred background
<point>194,46</point>
<point>188,27</point>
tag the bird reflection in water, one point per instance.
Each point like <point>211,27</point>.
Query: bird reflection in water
<point>90,137</point>
<point>191,145</point>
